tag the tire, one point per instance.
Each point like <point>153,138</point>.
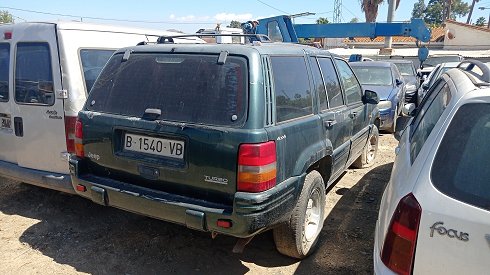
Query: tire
<point>368,156</point>
<point>298,237</point>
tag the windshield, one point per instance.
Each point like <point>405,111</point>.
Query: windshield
<point>185,87</point>
<point>435,60</point>
<point>405,68</point>
<point>460,168</point>
<point>373,75</point>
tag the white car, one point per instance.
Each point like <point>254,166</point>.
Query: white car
<point>434,215</point>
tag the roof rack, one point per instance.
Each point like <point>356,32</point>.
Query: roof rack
<point>169,39</point>
<point>471,64</point>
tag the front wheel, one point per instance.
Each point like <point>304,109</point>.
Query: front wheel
<point>298,237</point>
<point>368,156</point>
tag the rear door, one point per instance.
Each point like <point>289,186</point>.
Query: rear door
<point>454,232</point>
<point>357,110</point>
<point>7,151</point>
<point>37,113</point>
<point>333,111</point>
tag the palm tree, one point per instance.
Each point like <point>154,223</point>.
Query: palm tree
<point>370,8</point>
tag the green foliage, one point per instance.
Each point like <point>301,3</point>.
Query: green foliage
<point>354,20</point>
<point>370,9</point>
<point>6,17</point>
<point>418,9</point>
<point>322,20</point>
<point>481,21</point>
<point>433,14</point>
<point>234,24</point>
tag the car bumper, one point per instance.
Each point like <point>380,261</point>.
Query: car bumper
<point>386,116</point>
<point>251,213</point>
<point>46,179</point>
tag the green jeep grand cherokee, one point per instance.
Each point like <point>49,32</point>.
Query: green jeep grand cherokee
<point>229,139</point>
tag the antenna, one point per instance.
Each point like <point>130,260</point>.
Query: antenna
<point>337,11</point>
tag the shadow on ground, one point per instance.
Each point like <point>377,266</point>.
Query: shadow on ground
<point>102,240</point>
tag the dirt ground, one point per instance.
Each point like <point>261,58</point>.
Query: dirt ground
<point>48,232</point>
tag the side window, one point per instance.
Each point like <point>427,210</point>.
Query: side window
<point>292,87</point>
<point>319,87</point>
<point>92,63</point>
<point>274,32</point>
<point>352,88</point>
<point>334,92</point>
<point>33,74</point>
<point>428,116</point>
<point>4,71</point>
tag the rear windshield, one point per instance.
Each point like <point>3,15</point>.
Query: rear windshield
<point>186,88</point>
<point>373,75</point>
<point>461,166</point>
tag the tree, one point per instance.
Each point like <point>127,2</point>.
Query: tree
<point>6,17</point>
<point>370,8</point>
<point>234,24</point>
<point>354,20</point>
<point>434,12</point>
<point>481,21</point>
<point>418,9</point>
<point>322,20</point>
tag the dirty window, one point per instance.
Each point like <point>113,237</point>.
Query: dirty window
<point>334,92</point>
<point>274,32</point>
<point>319,86</point>
<point>4,71</point>
<point>428,116</point>
<point>185,87</point>
<point>352,88</point>
<point>460,168</point>
<point>292,87</point>
<point>93,60</point>
<point>33,74</point>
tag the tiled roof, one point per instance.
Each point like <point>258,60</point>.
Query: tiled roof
<point>436,36</point>
<point>485,29</point>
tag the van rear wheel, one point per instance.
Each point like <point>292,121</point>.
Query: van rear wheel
<point>298,237</point>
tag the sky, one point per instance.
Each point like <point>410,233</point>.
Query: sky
<point>191,15</point>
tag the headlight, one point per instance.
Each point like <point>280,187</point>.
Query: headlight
<point>410,87</point>
<point>385,104</point>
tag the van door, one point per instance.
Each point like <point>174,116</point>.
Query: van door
<point>37,112</point>
<point>7,151</point>
<point>357,110</point>
<point>334,113</point>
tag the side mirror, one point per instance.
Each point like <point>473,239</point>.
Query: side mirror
<point>398,82</point>
<point>370,97</point>
<point>408,109</point>
<point>401,124</point>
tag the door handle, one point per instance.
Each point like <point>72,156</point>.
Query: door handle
<point>329,123</point>
<point>353,114</point>
<point>18,127</point>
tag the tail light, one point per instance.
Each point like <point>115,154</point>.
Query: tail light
<point>70,133</point>
<point>256,167</point>
<point>399,247</point>
<point>79,139</point>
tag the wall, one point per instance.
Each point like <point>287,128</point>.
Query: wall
<point>466,37</point>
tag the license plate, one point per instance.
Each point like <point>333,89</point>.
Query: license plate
<point>5,122</point>
<point>154,146</point>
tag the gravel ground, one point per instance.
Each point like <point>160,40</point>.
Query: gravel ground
<point>48,232</point>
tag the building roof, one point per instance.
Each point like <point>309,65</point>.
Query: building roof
<point>484,29</point>
<point>437,35</point>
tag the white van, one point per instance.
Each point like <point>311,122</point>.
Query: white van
<point>46,71</point>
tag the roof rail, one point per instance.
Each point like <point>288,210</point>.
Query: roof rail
<point>169,39</point>
<point>485,76</point>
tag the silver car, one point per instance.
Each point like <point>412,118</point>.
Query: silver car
<point>434,216</point>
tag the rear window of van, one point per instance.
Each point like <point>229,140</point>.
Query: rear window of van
<point>185,87</point>
<point>460,168</point>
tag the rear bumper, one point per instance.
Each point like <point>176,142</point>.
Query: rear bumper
<point>46,179</point>
<point>251,213</point>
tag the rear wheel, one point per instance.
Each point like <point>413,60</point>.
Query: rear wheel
<point>368,156</point>
<point>298,237</point>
